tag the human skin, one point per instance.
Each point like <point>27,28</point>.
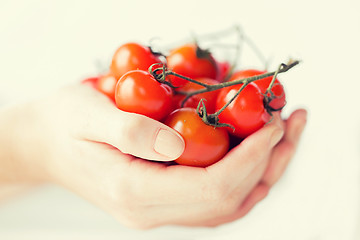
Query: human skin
<point>77,138</point>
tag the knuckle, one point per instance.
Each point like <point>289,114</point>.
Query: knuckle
<point>129,129</point>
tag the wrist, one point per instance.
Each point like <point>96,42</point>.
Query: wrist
<point>20,159</point>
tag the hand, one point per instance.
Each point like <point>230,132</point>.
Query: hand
<point>73,138</point>
<point>279,159</point>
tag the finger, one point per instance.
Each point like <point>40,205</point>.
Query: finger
<point>285,150</point>
<point>205,203</point>
<point>197,215</point>
<point>242,160</point>
<point>255,196</point>
<point>249,193</point>
<point>178,200</point>
<point>258,194</point>
<point>131,133</point>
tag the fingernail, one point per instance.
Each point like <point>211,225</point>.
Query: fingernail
<point>276,137</point>
<point>169,144</point>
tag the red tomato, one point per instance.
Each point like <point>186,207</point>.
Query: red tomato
<point>246,113</point>
<point>137,91</point>
<point>132,56</point>
<point>191,61</point>
<point>279,101</point>
<point>106,85</point>
<point>194,100</point>
<point>92,81</point>
<point>204,144</point>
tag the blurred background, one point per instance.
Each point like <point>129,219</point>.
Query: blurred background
<point>49,44</point>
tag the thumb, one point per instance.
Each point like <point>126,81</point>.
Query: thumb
<point>134,134</point>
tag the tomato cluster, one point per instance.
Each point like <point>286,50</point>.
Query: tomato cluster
<point>160,87</point>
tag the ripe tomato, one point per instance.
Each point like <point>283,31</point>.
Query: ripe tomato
<point>204,144</point>
<point>246,113</point>
<point>92,81</point>
<point>279,101</point>
<point>137,91</point>
<point>191,61</point>
<point>106,85</point>
<point>193,101</point>
<point>132,56</point>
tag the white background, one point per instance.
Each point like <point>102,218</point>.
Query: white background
<point>47,44</point>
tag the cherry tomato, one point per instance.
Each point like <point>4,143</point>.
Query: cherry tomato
<point>132,56</point>
<point>138,91</point>
<point>210,97</point>
<point>106,85</point>
<point>92,81</point>
<point>191,61</point>
<point>204,144</point>
<point>278,90</point>
<point>246,113</point>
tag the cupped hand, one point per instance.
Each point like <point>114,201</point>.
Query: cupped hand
<point>79,139</point>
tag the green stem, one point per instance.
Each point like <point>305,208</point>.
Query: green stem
<point>188,79</point>
<point>209,88</point>
<point>282,68</point>
<point>268,90</point>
